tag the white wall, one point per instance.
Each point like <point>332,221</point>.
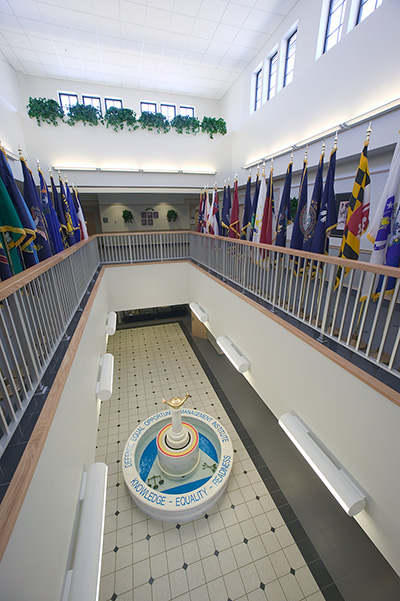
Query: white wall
<point>101,147</point>
<point>37,556</point>
<point>359,426</point>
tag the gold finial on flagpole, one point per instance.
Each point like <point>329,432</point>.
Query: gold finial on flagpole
<point>369,131</point>
<point>306,153</point>
<point>291,156</point>
<point>335,142</point>
<point>272,163</point>
<point>21,156</point>
<point>236,177</point>
<point>323,147</point>
<point>263,169</point>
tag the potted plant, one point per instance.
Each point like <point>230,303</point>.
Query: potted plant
<point>172,215</point>
<point>127,216</point>
<point>85,113</point>
<point>45,110</point>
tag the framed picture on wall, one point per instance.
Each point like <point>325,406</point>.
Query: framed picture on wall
<point>342,203</point>
<point>149,214</point>
<point>144,214</point>
<point>149,222</point>
<point>144,221</point>
<point>155,215</point>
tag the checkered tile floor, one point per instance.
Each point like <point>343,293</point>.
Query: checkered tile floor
<point>241,550</point>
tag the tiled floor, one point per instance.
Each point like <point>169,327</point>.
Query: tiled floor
<point>242,549</point>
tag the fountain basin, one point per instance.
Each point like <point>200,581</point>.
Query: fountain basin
<point>167,497</point>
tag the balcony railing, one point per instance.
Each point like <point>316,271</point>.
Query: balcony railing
<point>37,306</point>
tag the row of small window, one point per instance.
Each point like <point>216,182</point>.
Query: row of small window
<point>168,110</point>
<point>333,33</point>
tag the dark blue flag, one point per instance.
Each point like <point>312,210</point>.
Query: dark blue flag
<point>28,253</point>
<point>327,219</point>
<point>34,204</point>
<point>300,221</point>
<point>73,213</point>
<point>284,215</point>
<point>254,206</point>
<point>246,222</point>
<point>58,207</point>
<point>226,211</point>
<point>53,225</point>
<point>71,239</point>
<point>315,205</point>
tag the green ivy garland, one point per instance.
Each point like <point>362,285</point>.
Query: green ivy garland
<point>87,114</point>
<point>119,118</point>
<point>172,215</point>
<point>47,110</point>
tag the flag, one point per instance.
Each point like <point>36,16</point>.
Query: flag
<point>59,212</point>
<point>262,192</point>
<point>234,227</point>
<point>13,235</point>
<point>72,212</point>
<point>315,205</point>
<point>246,223</point>
<point>268,227</point>
<point>33,203</point>
<point>52,223</point>
<point>201,212</point>
<point>207,209</point>
<point>357,213</point>
<point>226,210</point>
<point>29,254</point>
<point>254,206</point>
<point>215,223</point>
<point>79,213</point>
<point>301,213</point>
<point>384,231</point>
<point>327,219</point>
<point>71,239</point>
<point>284,215</point>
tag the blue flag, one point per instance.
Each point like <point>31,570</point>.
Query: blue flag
<point>254,206</point>
<point>32,200</point>
<point>299,225</point>
<point>314,208</point>
<point>73,213</point>
<point>226,211</point>
<point>327,219</point>
<point>246,222</point>
<point>53,225</point>
<point>284,215</point>
<point>28,252</point>
<point>58,207</point>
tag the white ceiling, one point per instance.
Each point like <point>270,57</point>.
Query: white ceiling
<point>196,47</point>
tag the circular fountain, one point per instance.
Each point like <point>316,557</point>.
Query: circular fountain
<point>177,469</point>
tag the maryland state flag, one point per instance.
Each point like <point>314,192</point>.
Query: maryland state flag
<point>284,215</point>
<point>357,219</point>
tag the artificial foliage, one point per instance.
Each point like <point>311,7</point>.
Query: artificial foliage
<point>127,216</point>
<point>118,119</point>
<point>47,110</point>
<point>85,113</point>
<point>294,202</point>
<point>172,215</point>
<point>185,124</point>
<point>155,121</point>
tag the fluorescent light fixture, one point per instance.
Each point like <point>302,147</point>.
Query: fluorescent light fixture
<point>351,498</point>
<point>120,169</point>
<point>160,170</point>
<point>238,360</point>
<point>111,323</point>
<point>194,172</point>
<point>376,112</point>
<point>199,312</point>
<point>11,155</point>
<point>316,137</point>
<point>105,382</point>
<point>74,168</point>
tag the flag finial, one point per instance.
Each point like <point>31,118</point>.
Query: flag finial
<point>369,131</point>
<point>306,153</point>
<point>323,146</point>
<point>335,142</point>
<point>291,156</point>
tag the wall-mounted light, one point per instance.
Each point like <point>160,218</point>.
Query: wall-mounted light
<point>105,382</point>
<point>111,323</point>
<point>199,312</point>
<point>74,168</point>
<point>238,360</point>
<point>342,487</point>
